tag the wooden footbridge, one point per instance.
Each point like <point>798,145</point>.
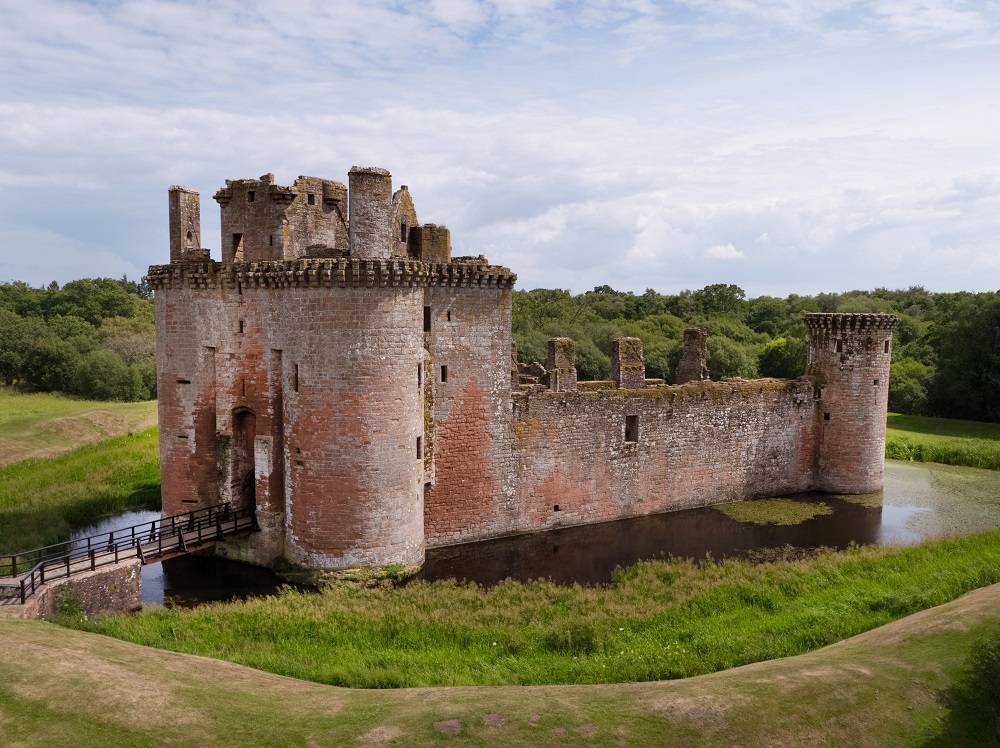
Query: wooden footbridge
<point>22,574</point>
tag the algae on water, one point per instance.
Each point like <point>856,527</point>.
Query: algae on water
<point>774,511</point>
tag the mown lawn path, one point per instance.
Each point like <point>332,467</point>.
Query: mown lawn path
<point>883,687</point>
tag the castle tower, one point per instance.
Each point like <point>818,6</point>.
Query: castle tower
<point>849,357</point>
<point>185,223</point>
<point>371,213</point>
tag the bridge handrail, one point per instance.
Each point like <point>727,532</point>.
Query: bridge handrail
<point>111,550</point>
<point>10,566</point>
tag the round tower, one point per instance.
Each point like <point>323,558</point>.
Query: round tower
<point>371,214</point>
<point>849,357</point>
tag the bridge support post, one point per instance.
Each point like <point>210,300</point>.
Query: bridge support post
<point>93,562</point>
<point>23,596</point>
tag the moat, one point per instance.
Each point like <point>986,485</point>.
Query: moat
<point>919,501</point>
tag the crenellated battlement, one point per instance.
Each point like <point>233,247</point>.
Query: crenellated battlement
<point>328,273</point>
<point>850,322</point>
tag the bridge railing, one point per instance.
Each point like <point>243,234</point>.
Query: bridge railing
<point>21,574</point>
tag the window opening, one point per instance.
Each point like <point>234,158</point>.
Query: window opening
<point>295,379</point>
<point>826,416</point>
<point>402,232</point>
<point>840,346</point>
<point>444,373</point>
<point>631,429</point>
<point>427,319</point>
<point>311,199</point>
<point>250,196</point>
<point>420,451</point>
<point>886,348</point>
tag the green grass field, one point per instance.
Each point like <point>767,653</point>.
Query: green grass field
<point>658,620</point>
<point>945,440</point>
<point>45,424</point>
<point>917,681</point>
<point>43,500</point>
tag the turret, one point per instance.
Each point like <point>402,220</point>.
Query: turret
<point>849,356</point>
<point>693,366</point>
<point>371,213</point>
<point>185,224</point>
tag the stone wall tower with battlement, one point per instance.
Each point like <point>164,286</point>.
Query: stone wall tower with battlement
<point>343,374</point>
<point>849,357</point>
<point>333,363</point>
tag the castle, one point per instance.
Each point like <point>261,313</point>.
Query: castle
<point>343,373</point>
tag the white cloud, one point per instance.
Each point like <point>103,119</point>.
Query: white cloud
<point>581,144</point>
<point>724,252</point>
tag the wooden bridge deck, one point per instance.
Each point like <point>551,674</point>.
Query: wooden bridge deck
<point>22,574</point>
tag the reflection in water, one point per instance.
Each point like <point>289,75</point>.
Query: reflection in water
<point>919,501</point>
<point>589,554</point>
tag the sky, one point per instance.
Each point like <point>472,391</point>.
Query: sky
<point>787,146</point>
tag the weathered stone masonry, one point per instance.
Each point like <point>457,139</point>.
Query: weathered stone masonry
<point>340,371</point>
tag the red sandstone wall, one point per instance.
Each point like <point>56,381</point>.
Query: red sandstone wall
<point>698,444</point>
<point>472,495</point>
<point>854,386</point>
<point>336,465</point>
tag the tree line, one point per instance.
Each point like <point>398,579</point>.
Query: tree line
<point>945,359</point>
<point>91,337</point>
<point>94,337</point>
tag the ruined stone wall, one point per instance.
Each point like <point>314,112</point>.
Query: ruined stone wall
<point>261,220</point>
<point>849,359</point>
<point>697,444</point>
<point>472,493</point>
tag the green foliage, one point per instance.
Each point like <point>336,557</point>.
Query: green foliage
<point>909,380</point>
<point>967,384</point>
<point>92,337</point>
<point>658,619</point>
<point>784,358</point>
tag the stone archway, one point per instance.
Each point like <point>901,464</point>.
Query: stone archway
<point>243,477</point>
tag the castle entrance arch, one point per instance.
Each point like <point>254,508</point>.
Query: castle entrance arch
<point>243,476</point>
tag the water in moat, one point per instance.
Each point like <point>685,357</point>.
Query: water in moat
<point>194,579</point>
<point>920,501</point>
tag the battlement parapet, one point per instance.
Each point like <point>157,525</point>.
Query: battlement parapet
<point>316,273</point>
<point>850,322</point>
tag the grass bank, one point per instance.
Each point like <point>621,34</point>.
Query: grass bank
<point>946,440</point>
<point>901,684</point>
<point>43,500</point>
<point>658,620</point>
<point>45,424</point>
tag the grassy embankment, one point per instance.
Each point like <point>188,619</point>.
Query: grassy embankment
<point>45,424</point>
<point>923,680</point>
<point>43,500</point>
<point>658,620</point>
<point>945,440</point>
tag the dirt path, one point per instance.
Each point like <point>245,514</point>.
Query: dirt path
<point>882,687</point>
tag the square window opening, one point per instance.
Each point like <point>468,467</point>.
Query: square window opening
<point>826,416</point>
<point>311,199</point>
<point>875,382</point>
<point>631,429</point>
<point>555,507</point>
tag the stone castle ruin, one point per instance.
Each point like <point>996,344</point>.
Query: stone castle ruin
<point>341,372</point>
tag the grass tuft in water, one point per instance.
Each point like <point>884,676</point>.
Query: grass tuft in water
<point>774,511</point>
